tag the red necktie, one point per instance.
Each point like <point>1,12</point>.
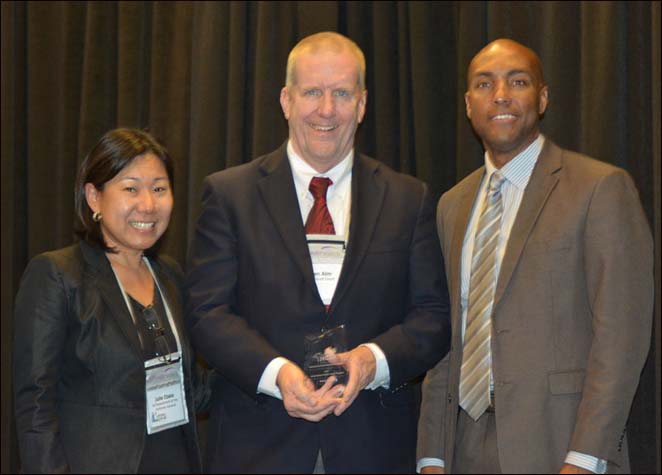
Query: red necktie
<point>319,219</point>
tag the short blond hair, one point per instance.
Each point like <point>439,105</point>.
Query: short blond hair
<point>324,41</point>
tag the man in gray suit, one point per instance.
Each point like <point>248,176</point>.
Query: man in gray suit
<point>549,261</point>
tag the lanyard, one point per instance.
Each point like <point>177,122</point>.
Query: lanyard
<point>171,320</point>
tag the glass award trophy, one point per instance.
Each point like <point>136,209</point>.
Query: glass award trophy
<point>315,364</point>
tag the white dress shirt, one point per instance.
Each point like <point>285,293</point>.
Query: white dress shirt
<point>338,201</point>
<point>517,173</point>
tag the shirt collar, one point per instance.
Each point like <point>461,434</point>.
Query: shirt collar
<point>303,172</point>
<point>518,170</point>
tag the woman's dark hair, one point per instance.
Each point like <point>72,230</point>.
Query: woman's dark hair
<point>112,153</point>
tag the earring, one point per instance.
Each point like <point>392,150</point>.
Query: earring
<point>96,217</point>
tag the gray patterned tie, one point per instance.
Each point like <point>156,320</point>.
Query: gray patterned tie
<point>476,359</point>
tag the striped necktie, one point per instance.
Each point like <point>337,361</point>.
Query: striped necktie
<point>476,357</point>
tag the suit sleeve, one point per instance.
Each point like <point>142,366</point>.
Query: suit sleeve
<point>431,442</point>
<point>618,252</point>
<point>431,423</point>
<point>423,337</point>
<point>201,376</point>
<point>223,338</point>
<point>40,311</point>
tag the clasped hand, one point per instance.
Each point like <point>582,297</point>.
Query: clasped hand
<point>302,400</point>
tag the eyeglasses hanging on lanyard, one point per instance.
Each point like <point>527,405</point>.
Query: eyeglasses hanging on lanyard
<point>155,326</point>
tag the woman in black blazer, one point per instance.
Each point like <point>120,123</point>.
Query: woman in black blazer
<point>103,367</point>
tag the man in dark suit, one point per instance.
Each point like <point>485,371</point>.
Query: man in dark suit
<point>273,263</point>
<point>562,291</point>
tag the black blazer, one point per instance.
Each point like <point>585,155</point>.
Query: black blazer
<point>253,297</point>
<point>79,374</point>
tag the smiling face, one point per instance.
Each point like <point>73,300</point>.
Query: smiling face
<point>135,205</point>
<point>505,98</point>
<point>324,106</point>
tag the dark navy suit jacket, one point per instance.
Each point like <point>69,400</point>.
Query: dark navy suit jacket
<point>253,297</point>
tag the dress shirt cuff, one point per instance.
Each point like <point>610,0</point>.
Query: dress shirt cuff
<point>382,374</point>
<point>587,462</point>
<point>267,384</point>
<point>427,462</point>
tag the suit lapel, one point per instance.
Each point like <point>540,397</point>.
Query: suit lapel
<point>543,180</point>
<point>102,277</point>
<point>459,230</point>
<point>280,199</point>
<point>368,191</point>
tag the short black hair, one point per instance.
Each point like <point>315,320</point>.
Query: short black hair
<point>111,154</point>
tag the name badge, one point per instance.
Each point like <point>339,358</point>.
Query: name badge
<point>327,253</point>
<point>165,394</point>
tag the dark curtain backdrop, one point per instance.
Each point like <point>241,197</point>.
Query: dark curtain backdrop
<point>205,78</point>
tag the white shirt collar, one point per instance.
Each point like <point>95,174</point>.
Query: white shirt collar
<point>303,172</point>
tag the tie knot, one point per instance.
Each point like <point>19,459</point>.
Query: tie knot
<point>496,180</point>
<point>318,186</point>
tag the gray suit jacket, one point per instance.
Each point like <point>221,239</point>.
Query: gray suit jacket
<point>572,317</point>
